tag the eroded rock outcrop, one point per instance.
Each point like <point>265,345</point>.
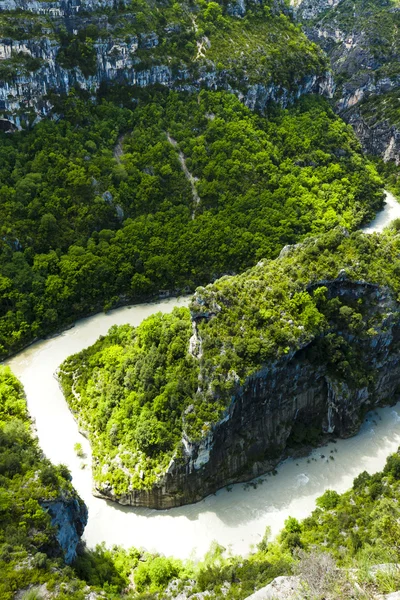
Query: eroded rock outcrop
<point>361,41</point>
<point>137,58</point>
<point>69,516</point>
<point>285,587</point>
<point>284,356</point>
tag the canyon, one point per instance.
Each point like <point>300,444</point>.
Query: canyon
<point>318,384</point>
<point>272,414</point>
<point>133,59</point>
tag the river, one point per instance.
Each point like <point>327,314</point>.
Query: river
<point>235,518</point>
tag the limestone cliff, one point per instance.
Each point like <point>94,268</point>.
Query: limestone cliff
<point>272,412</point>
<point>362,43</point>
<point>69,516</point>
<point>54,46</point>
<point>283,356</point>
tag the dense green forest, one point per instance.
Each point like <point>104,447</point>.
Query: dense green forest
<point>133,388</point>
<point>96,208</point>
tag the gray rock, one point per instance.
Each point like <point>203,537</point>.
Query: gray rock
<point>57,8</point>
<point>69,516</point>
<point>120,211</point>
<point>237,8</point>
<point>310,9</point>
<point>107,197</point>
<point>281,588</point>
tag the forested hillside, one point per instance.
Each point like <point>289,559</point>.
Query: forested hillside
<point>97,209</point>
<point>30,551</point>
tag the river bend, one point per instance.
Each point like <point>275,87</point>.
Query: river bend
<point>235,518</point>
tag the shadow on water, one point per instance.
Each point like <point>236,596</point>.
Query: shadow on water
<point>296,480</point>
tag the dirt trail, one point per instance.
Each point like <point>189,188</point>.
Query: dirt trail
<point>192,180</point>
<point>118,149</point>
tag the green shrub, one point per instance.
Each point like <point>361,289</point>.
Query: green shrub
<point>154,575</point>
<point>32,594</point>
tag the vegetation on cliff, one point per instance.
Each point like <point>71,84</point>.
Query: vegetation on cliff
<point>198,41</point>
<point>111,204</point>
<point>96,209</point>
<point>138,390</point>
<point>29,551</point>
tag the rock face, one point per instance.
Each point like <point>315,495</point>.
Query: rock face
<point>116,63</point>
<point>131,59</point>
<point>58,8</point>
<point>272,414</point>
<point>69,516</point>
<point>381,138</point>
<point>281,588</point>
<point>361,41</point>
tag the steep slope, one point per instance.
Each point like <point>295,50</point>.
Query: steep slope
<point>362,41</point>
<point>52,46</point>
<point>280,357</point>
<point>42,517</point>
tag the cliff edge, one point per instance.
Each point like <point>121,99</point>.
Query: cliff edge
<point>266,364</point>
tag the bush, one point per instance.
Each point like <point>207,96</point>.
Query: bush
<point>154,575</point>
<point>392,466</point>
<point>328,500</point>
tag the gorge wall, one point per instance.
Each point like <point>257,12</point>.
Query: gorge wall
<point>319,389</point>
<point>55,46</point>
<point>362,43</point>
<point>69,516</point>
